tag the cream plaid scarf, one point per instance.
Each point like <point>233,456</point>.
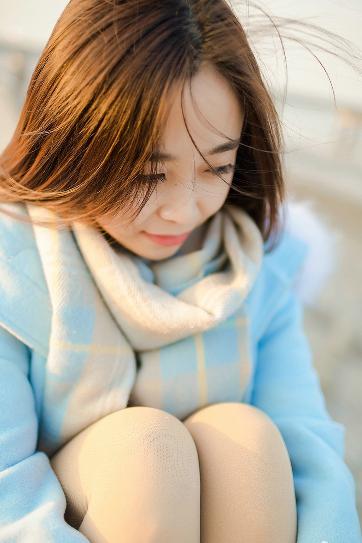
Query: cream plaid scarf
<point>111,308</point>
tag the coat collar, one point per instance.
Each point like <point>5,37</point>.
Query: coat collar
<point>25,309</point>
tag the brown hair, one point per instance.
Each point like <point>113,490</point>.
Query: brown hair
<point>97,101</point>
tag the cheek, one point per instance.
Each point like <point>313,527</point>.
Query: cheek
<point>124,221</point>
<point>215,196</point>
<point>112,225</point>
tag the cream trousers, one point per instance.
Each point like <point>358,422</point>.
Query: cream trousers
<point>141,475</point>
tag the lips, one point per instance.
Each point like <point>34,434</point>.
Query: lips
<point>169,235</point>
<point>167,240</point>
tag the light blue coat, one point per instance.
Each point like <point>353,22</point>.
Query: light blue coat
<point>284,385</point>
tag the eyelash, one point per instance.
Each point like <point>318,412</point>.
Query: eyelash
<point>160,176</point>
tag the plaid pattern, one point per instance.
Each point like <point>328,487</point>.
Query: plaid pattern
<point>183,319</point>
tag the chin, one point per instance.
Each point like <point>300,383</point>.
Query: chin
<point>167,253</point>
<point>160,253</point>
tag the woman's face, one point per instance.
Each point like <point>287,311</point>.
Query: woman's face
<point>188,192</point>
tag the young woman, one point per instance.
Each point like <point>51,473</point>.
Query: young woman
<point>156,382</point>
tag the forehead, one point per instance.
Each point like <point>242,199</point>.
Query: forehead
<point>212,112</point>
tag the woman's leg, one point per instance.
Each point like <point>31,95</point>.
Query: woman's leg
<point>247,488</point>
<point>132,477</point>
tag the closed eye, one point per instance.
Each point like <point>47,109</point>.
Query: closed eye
<point>162,176</point>
<point>223,169</point>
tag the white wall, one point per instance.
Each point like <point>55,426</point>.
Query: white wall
<point>306,76</point>
<point>31,21</point>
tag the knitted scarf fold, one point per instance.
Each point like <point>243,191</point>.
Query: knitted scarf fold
<point>112,308</point>
<point>178,299</point>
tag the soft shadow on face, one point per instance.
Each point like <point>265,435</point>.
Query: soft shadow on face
<point>189,193</point>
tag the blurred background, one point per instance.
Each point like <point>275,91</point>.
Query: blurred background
<point>323,162</point>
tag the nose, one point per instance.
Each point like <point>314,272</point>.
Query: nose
<point>180,205</point>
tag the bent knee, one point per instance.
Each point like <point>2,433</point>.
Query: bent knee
<point>125,445</point>
<point>143,438</point>
<point>147,424</point>
<point>133,424</point>
<point>242,422</point>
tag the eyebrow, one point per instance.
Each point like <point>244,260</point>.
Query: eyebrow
<point>222,148</point>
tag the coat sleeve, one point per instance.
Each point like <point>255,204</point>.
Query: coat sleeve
<point>287,388</point>
<point>32,501</point>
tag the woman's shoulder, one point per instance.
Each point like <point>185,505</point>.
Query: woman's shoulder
<point>286,259</point>
<point>15,235</point>
<point>276,277</point>
<point>307,252</point>
<point>301,261</point>
<point>23,289</point>
<point>18,248</point>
